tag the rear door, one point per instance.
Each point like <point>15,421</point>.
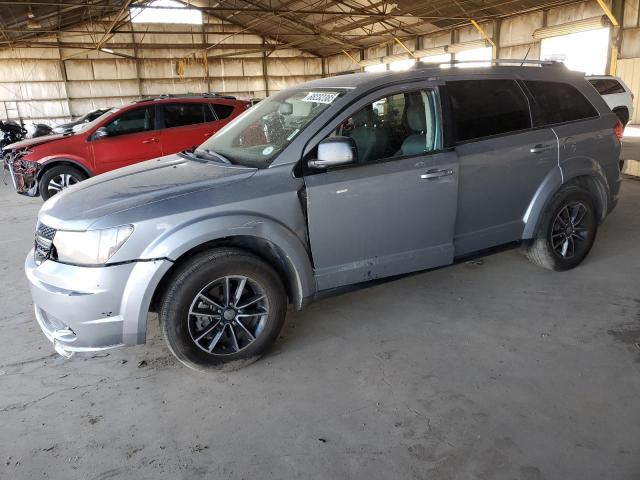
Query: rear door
<point>185,125</point>
<point>586,138</point>
<point>133,137</point>
<point>394,210</point>
<point>503,159</point>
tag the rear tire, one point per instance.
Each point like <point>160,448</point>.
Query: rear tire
<point>57,179</point>
<point>566,232</point>
<point>222,310</point>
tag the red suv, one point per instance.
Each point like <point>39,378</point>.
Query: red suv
<point>122,136</point>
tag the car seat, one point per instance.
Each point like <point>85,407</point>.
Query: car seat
<point>371,142</point>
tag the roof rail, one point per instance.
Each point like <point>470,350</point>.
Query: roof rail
<point>496,61</point>
<point>186,95</point>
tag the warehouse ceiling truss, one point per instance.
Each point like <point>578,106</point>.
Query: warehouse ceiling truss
<point>319,27</point>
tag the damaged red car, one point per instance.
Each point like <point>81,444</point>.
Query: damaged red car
<point>122,136</point>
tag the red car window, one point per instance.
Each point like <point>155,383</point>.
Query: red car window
<point>132,121</point>
<point>222,110</point>
<point>180,114</point>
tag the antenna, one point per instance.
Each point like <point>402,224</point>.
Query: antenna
<point>526,55</point>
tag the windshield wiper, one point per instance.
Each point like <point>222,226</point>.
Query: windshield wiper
<point>208,154</point>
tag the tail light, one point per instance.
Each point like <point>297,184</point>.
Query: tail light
<point>619,129</point>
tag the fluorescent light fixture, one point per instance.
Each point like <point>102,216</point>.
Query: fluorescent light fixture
<point>107,50</point>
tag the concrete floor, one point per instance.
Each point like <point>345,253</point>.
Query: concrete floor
<point>492,369</point>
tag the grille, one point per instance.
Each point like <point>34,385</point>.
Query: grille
<point>46,232</point>
<point>43,242</point>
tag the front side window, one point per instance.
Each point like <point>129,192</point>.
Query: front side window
<point>399,125</point>
<point>482,108</point>
<point>181,114</point>
<point>260,133</point>
<point>606,86</point>
<point>133,121</point>
<point>556,102</point>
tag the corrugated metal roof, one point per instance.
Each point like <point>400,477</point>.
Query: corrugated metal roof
<point>322,27</point>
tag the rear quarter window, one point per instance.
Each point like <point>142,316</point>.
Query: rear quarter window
<point>607,86</point>
<point>557,102</point>
<point>482,108</point>
<point>222,111</point>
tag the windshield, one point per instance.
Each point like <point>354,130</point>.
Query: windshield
<point>258,135</point>
<point>83,127</point>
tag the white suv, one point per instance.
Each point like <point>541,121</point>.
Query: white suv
<point>617,95</point>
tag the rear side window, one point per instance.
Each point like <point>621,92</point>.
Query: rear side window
<point>606,86</point>
<point>208,113</point>
<point>222,110</point>
<point>557,102</point>
<point>180,114</point>
<point>482,108</point>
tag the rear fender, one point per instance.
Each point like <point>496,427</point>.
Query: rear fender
<point>578,170</point>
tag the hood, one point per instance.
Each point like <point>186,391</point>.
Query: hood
<point>65,126</point>
<point>77,207</point>
<point>32,142</point>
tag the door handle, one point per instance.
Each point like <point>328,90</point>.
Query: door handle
<point>540,148</point>
<point>150,140</point>
<point>433,174</point>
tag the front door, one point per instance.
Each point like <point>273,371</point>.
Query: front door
<point>394,210</point>
<point>132,138</point>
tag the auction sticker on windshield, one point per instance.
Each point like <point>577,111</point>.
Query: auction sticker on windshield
<point>320,97</point>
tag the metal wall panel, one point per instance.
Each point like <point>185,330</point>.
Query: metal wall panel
<point>519,30</point>
<point>629,71</point>
<point>16,91</point>
<point>630,43</point>
<point>103,88</point>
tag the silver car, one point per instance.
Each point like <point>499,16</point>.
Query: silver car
<point>332,183</point>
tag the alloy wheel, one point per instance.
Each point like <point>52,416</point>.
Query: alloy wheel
<point>570,231</point>
<point>60,182</point>
<point>228,315</point>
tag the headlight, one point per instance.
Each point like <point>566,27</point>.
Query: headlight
<point>93,247</point>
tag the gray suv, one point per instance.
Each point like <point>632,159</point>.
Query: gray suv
<point>332,183</point>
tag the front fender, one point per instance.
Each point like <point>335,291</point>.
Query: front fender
<point>177,241</point>
<point>52,160</point>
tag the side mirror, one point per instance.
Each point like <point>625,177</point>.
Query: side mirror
<point>334,151</point>
<point>100,133</point>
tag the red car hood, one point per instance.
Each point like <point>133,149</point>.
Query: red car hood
<point>32,142</point>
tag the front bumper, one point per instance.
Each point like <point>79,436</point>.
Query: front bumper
<point>24,175</point>
<point>83,309</point>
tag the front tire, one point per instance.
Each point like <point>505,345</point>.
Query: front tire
<point>222,310</point>
<point>567,231</point>
<point>57,179</point>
